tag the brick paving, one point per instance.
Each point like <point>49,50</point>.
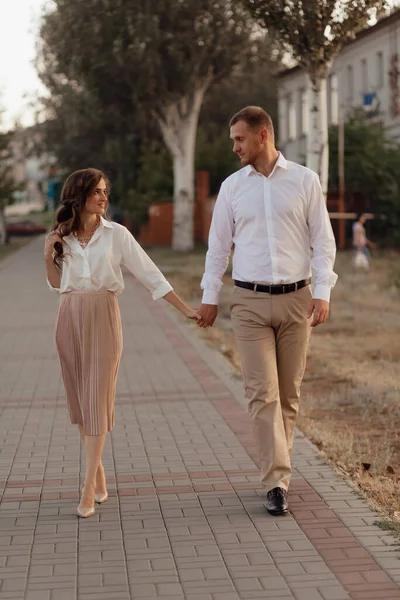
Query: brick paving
<point>185,519</point>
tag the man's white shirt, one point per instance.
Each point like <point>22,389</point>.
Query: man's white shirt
<point>280,229</point>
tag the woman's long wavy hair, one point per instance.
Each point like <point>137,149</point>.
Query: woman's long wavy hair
<point>78,186</point>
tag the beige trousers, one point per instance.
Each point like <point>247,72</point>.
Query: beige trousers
<point>272,334</point>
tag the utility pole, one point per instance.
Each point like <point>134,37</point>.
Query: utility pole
<point>341,209</point>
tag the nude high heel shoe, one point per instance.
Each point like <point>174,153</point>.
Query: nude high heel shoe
<point>100,498</point>
<point>85,513</point>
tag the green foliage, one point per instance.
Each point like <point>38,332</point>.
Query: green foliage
<point>154,184</point>
<point>110,65</point>
<point>154,52</point>
<point>253,85</point>
<point>372,173</point>
<point>8,186</point>
<point>314,31</point>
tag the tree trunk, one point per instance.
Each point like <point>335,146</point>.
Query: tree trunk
<point>179,129</point>
<point>3,228</point>
<point>317,140</point>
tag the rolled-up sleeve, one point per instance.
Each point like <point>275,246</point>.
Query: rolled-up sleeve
<point>142,267</point>
<point>53,289</point>
<point>322,242</point>
<point>219,247</point>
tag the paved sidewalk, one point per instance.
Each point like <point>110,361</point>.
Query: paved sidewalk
<point>185,519</point>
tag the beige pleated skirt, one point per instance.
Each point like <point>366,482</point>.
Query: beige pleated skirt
<point>88,338</point>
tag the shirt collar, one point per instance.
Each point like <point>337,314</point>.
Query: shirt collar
<point>105,222</point>
<point>281,162</point>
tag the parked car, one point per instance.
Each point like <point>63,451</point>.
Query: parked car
<point>24,228</point>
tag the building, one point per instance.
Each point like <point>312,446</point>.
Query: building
<point>31,168</point>
<point>364,75</point>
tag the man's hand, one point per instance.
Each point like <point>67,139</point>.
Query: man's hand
<point>208,314</point>
<point>320,310</point>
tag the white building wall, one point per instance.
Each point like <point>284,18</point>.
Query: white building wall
<point>363,67</point>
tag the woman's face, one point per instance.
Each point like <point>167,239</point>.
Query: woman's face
<point>96,203</point>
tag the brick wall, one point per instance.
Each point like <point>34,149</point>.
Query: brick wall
<point>158,231</point>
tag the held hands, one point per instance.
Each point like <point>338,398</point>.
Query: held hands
<point>208,313</point>
<point>320,310</point>
<point>204,317</point>
<point>50,241</point>
<point>190,313</point>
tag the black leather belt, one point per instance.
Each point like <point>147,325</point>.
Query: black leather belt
<point>284,288</point>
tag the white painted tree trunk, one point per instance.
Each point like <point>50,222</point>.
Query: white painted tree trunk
<point>3,228</point>
<point>179,129</point>
<point>317,139</point>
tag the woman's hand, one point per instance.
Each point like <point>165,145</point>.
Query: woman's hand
<point>51,239</point>
<point>190,313</point>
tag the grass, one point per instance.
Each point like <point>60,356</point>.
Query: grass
<point>391,525</point>
<point>351,390</point>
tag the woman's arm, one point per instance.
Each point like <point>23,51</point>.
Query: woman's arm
<point>53,273</point>
<point>180,305</point>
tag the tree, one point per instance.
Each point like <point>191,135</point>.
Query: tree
<point>372,167</point>
<point>79,132</point>
<point>160,54</point>
<point>8,185</point>
<point>314,31</point>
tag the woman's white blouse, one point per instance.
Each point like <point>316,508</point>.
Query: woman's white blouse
<point>98,266</point>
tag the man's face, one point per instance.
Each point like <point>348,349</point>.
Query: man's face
<point>248,143</point>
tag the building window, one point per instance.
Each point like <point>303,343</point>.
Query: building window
<point>303,112</point>
<point>380,74</point>
<point>364,76</point>
<point>350,83</point>
<point>291,118</point>
<point>333,99</point>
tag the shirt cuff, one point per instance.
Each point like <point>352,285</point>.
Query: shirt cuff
<point>210,297</point>
<point>322,292</point>
<point>53,289</point>
<point>162,290</point>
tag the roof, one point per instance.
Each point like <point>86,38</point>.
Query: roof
<point>383,22</point>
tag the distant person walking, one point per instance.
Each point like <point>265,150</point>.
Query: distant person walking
<point>361,242</point>
<point>83,256</point>
<point>274,213</point>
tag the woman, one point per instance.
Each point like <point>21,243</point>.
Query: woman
<point>83,256</point>
<point>360,240</point>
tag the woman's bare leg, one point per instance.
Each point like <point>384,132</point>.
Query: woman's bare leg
<point>94,445</point>
<point>101,487</point>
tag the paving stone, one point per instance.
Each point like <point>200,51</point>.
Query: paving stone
<point>186,517</point>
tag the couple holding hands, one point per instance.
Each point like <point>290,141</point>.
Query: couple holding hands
<point>274,213</point>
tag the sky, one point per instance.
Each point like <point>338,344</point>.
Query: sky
<point>19,84</point>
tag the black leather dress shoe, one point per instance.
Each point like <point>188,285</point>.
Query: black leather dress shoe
<point>277,503</point>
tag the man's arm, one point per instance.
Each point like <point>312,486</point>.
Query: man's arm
<point>217,258</point>
<point>322,242</point>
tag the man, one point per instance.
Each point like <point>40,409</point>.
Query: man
<point>274,213</point>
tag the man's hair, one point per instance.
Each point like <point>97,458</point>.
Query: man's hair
<point>255,117</point>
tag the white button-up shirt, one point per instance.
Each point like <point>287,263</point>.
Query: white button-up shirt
<point>98,266</point>
<point>280,229</point>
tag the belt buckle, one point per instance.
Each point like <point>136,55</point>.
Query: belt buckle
<point>255,287</point>
<point>296,286</point>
